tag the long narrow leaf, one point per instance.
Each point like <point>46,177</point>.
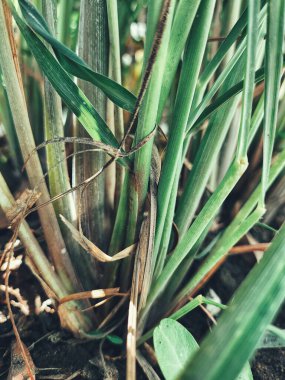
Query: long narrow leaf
<point>244,322</point>
<point>66,88</point>
<point>273,64</point>
<point>75,65</point>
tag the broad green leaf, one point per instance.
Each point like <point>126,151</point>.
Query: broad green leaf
<point>75,65</point>
<point>193,304</point>
<point>173,345</point>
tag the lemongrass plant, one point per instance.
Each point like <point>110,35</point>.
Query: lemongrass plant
<point>137,205</point>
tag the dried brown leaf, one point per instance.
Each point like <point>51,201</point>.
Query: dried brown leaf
<point>18,369</point>
<point>93,249</point>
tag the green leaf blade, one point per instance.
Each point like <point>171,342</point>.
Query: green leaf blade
<point>75,65</point>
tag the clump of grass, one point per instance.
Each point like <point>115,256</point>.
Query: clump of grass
<point>136,188</point>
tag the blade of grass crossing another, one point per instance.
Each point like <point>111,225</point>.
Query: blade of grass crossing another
<point>244,322</point>
<point>192,60</point>
<point>207,153</point>
<point>187,242</point>
<point>67,89</point>
<point>218,127</point>
<point>182,23</point>
<point>243,222</point>
<point>252,40</point>
<point>74,64</point>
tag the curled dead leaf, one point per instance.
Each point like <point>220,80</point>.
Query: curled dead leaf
<point>93,249</point>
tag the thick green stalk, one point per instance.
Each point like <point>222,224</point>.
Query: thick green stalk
<point>252,40</point>
<point>146,122</point>
<point>192,61</point>
<point>153,13</point>
<point>64,13</point>
<point>56,163</point>
<point>241,326</point>
<point>154,10</point>
<point>273,66</point>
<point>93,48</point>
<point>25,137</point>
<point>149,109</point>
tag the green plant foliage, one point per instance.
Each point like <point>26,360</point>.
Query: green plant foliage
<point>173,345</point>
<point>74,64</point>
<point>174,179</point>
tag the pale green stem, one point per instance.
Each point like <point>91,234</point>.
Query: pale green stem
<point>273,70</point>
<point>56,162</point>
<point>64,13</point>
<point>185,93</point>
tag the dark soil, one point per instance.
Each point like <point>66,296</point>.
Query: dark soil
<point>57,355</point>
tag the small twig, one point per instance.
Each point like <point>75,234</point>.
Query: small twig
<point>94,294</point>
<point>249,248</point>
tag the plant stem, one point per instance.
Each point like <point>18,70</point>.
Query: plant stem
<point>273,69</point>
<point>190,70</point>
<point>112,8</point>
<point>147,119</point>
<point>56,163</point>
<point>64,12</point>
<point>93,48</point>
<point>192,235</point>
<point>75,321</point>
<point>25,137</point>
